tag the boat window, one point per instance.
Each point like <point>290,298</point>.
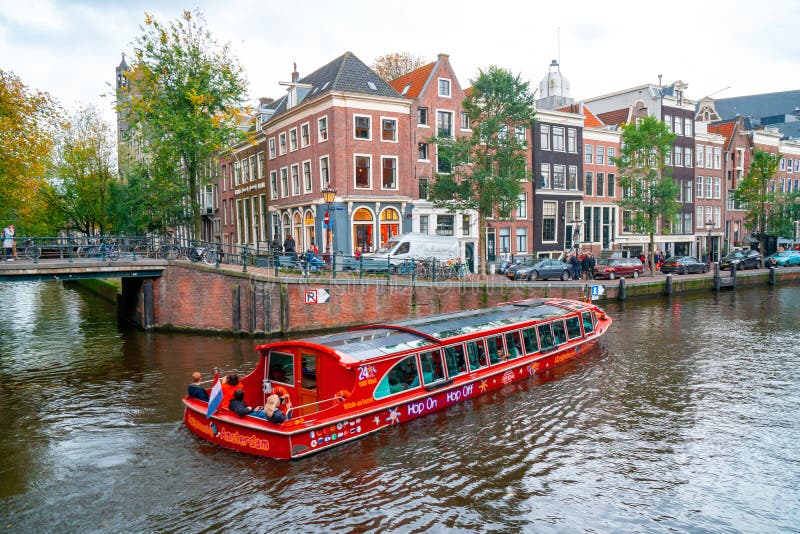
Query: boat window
<point>281,368</point>
<point>404,375</point>
<point>588,324</point>
<point>514,344</point>
<point>546,336</point>
<point>456,361</point>
<point>531,343</point>
<point>573,327</point>
<point>497,352</point>
<point>308,371</point>
<point>432,367</point>
<point>477,355</point>
<point>559,333</point>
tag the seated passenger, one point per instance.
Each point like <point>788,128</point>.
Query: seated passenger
<point>395,386</point>
<point>272,409</point>
<point>196,391</point>
<point>229,384</point>
<point>241,409</point>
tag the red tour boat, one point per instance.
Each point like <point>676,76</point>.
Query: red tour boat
<point>347,385</point>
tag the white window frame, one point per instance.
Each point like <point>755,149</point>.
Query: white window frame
<point>294,178</point>
<point>308,185</point>
<point>273,185</point>
<point>324,172</point>
<point>687,157</point>
<point>307,141</point>
<point>357,116</point>
<point>611,153</point>
<point>396,173</point>
<point>544,136</point>
<point>396,126</point>
<point>717,158</point>
<point>321,132</point>
<point>284,182</point>
<point>282,143</point>
<point>563,139</point>
<point>449,93</point>
<point>572,141</point>
<point>699,156</point>
<point>677,156</point>
<point>554,205</point>
<point>293,141</point>
<point>600,155</point>
<point>355,172</point>
<point>260,165</point>
<point>717,187</point>
<point>700,187</point>
<point>465,126</point>
<point>272,150</point>
<point>452,124</point>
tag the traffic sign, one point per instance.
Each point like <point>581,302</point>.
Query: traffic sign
<point>597,291</point>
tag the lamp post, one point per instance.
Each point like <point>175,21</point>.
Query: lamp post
<point>709,225</point>
<point>328,195</point>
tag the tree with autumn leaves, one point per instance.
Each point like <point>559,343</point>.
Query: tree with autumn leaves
<point>185,100</point>
<point>27,133</point>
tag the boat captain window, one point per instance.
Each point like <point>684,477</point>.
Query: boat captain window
<point>432,366</point>
<point>546,336</point>
<point>456,361</point>
<point>588,324</point>
<point>281,368</point>
<point>404,375</point>
<point>559,332</point>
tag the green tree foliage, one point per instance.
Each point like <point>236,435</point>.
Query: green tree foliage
<point>486,169</point>
<point>755,192</point>
<point>27,123</point>
<point>650,193</point>
<point>82,172</point>
<point>185,101</point>
<point>149,201</point>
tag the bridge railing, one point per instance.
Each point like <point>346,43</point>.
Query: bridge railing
<point>114,247</point>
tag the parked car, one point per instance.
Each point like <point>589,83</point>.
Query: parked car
<point>541,270</point>
<point>743,259</point>
<point>683,265</point>
<point>785,258</point>
<point>618,268</point>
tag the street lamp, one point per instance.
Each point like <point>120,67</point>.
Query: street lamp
<point>709,225</point>
<point>328,195</point>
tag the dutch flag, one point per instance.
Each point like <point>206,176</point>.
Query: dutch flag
<point>215,399</point>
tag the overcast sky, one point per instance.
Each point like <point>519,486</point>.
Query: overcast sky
<point>71,48</point>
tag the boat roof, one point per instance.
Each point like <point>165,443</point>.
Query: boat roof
<point>374,341</point>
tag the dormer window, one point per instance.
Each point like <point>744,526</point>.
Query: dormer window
<point>292,98</point>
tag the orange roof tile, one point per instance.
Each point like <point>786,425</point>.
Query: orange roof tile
<point>416,79</point>
<point>616,117</point>
<point>724,129</point>
<point>590,119</point>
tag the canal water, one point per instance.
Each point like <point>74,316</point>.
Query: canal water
<point>684,418</point>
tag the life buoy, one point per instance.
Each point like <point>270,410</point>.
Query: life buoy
<point>280,391</point>
<point>341,395</point>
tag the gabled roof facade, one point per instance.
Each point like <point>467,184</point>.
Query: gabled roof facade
<point>616,117</point>
<point>345,74</point>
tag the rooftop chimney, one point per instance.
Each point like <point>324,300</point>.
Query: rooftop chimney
<point>295,74</point>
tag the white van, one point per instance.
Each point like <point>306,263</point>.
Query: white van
<point>417,246</point>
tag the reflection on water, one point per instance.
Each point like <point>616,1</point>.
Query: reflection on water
<point>684,418</point>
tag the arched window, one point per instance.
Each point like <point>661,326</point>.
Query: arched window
<point>297,231</point>
<point>390,224</point>
<point>363,229</point>
<point>308,229</point>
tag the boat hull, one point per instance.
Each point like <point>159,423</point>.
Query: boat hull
<point>302,437</point>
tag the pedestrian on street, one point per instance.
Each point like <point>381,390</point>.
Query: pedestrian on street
<point>8,242</point>
<point>592,263</point>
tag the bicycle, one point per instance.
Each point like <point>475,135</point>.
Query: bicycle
<point>208,254</point>
<point>104,249</point>
<point>168,251</point>
<point>32,250</point>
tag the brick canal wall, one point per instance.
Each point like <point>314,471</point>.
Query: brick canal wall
<point>199,297</point>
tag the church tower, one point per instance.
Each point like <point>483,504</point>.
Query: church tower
<point>554,89</point>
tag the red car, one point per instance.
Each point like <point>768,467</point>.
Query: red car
<point>618,268</point>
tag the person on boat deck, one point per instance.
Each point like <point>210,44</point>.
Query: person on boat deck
<point>274,414</point>
<point>241,409</point>
<point>196,391</point>
<point>229,385</point>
